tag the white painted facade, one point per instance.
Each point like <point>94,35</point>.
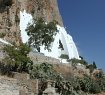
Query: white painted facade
<point>25,18</point>
<point>69,46</point>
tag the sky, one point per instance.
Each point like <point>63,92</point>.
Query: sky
<point>85,22</point>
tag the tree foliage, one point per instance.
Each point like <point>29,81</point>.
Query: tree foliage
<point>41,33</point>
<point>73,86</point>
<point>60,45</point>
<point>75,61</point>
<point>16,57</point>
<point>94,65</point>
<point>91,67</point>
<point>43,72</point>
<point>78,86</point>
<point>2,35</point>
<point>64,56</point>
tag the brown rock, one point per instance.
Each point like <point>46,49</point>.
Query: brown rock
<point>10,15</point>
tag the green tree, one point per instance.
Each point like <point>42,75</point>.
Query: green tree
<point>60,45</point>
<point>41,33</point>
<point>17,57</point>
<point>91,67</point>
<point>64,56</point>
<point>94,65</point>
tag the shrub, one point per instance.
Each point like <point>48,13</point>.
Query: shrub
<point>75,61</point>
<point>64,56</point>
<point>5,69</point>
<point>75,85</point>
<point>43,71</point>
<point>16,57</point>
<point>2,35</point>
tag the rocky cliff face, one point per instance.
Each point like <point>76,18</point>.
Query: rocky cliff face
<point>9,21</point>
<point>48,9</point>
<point>10,15</point>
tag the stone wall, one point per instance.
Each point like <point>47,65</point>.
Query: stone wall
<point>40,58</point>
<point>66,69</point>
<point>20,84</point>
<point>8,86</point>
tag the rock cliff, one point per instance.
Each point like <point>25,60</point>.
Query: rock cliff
<point>9,21</point>
<point>10,15</point>
<point>48,9</point>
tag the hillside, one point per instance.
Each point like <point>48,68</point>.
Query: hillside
<point>38,56</point>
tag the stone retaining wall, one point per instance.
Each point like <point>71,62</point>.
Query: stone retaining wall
<point>8,86</point>
<point>40,58</point>
<point>20,84</point>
